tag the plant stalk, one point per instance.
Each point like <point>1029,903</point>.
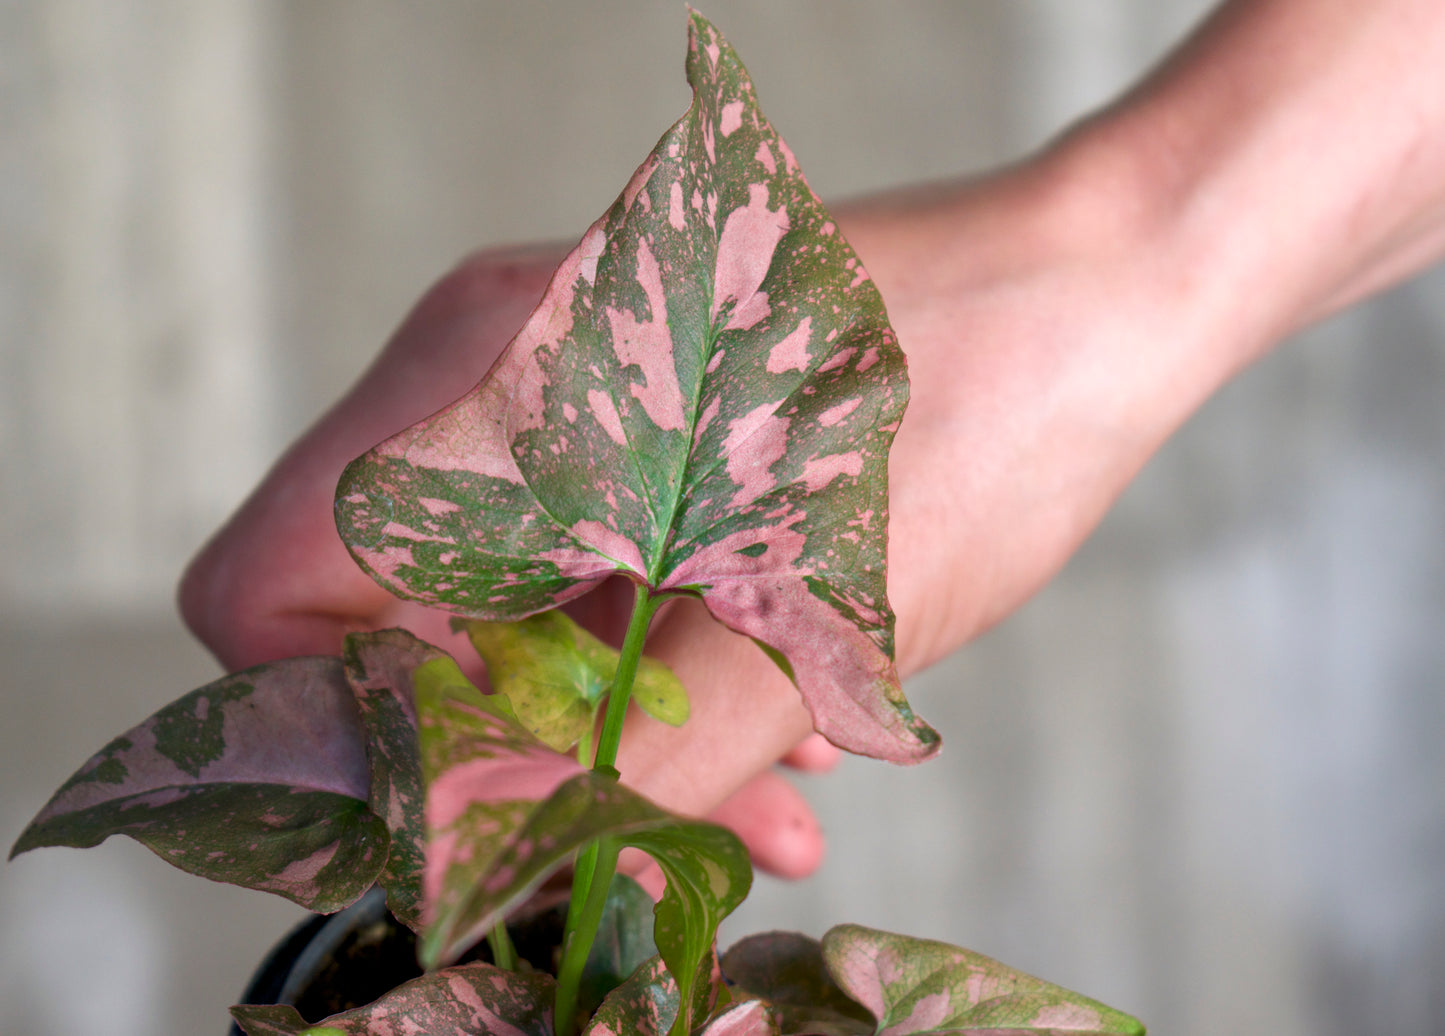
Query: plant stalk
<point>504,954</point>
<point>644,607</point>
<point>577,944</point>
<point>597,863</point>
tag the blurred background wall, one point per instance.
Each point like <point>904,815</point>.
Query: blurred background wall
<point>1200,776</point>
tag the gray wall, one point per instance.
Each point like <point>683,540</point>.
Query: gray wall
<point>1199,776</point>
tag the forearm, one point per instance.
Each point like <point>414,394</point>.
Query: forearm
<point>1293,151</point>
<point>1065,316</point>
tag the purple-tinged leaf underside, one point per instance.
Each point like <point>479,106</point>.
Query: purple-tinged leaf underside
<point>485,774</point>
<point>703,401</point>
<point>706,866</point>
<point>786,970</point>
<point>916,986</point>
<point>379,668</point>
<point>556,675</point>
<point>471,999</point>
<point>258,779</point>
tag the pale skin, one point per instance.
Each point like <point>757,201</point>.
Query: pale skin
<point>1062,318</point>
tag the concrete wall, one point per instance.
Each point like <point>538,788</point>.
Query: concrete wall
<point>1199,776</point>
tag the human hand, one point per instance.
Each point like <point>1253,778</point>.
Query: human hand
<point>277,581</point>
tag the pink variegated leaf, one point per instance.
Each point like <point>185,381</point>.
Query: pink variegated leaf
<point>703,402</point>
<point>787,971</point>
<point>917,986</point>
<point>485,774</point>
<point>706,866</point>
<point>379,668</point>
<point>644,1005</point>
<point>467,1000</point>
<point>647,1005</point>
<point>259,779</point>
<point>746,1018</point>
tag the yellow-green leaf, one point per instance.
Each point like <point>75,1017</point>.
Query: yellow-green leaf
<point>556,675</point>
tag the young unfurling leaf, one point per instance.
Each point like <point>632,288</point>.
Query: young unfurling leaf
<point>556,676</point>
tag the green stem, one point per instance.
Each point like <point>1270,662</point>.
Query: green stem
<point>644,606</point>
<point>504,954</point>
<point>597,863</point>
<point>582,927</point>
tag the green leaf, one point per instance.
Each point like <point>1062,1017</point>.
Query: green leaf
<point>556,675</point>
<point>379,669</point>
<point>471,999</point>
<point>707,870</point>
<point>624,942</point>
<point>920,986</point>
<point>485,774</point>
<point>259,779</point>
<point>703,402</point>
<point>787,971</point>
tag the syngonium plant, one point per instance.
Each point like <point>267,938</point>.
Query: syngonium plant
<point>702,403</point>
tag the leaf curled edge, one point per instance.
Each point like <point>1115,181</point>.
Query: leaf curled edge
<point>258,779</point>
<point>916,986</point>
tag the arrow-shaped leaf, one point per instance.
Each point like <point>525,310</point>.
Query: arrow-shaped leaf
<point>703,401</point>
<point>916,986</point>
<point>472,999</point>
<point>259,779</point>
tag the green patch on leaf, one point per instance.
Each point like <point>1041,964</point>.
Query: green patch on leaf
<point>191,734</point>
<point>108,771</point>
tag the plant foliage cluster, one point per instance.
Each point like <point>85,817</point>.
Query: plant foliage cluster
<point>703,403</point>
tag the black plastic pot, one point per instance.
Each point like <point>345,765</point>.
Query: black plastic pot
<point>328,964</point>
<point>333,963</point>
